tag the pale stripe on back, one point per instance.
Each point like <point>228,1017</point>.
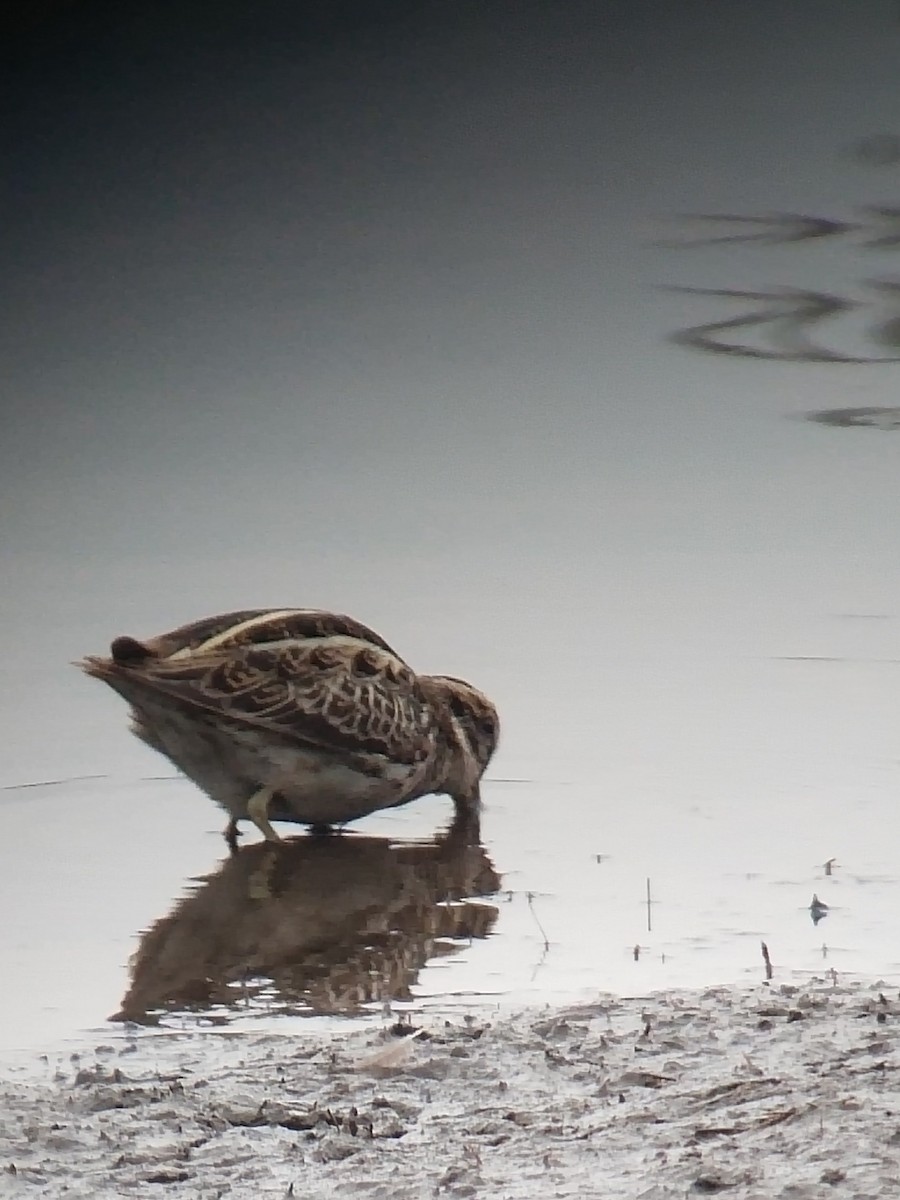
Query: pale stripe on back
<point>235,630</point>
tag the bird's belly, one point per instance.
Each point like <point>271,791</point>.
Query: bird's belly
<point>328,792</point>
<point>311,786</point>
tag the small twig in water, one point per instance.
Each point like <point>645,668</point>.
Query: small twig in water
<point>649,902</point>
<point>829,864</point>
<point>767,960</point>
<point>529,896</point>
<point>39,783</point>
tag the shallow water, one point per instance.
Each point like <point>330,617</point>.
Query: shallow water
<point>774,768</point>
<point>632,472</point>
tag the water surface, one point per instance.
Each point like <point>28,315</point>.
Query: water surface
<point>504,339</point>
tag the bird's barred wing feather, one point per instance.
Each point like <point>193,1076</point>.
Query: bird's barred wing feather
<point>334,692</point>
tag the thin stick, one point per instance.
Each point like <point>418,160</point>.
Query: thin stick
<point>649,922</point>
<point>766,960</point>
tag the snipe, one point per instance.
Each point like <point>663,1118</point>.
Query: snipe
<point>301,715</point>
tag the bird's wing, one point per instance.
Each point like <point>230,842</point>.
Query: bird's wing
<point>335,692</point>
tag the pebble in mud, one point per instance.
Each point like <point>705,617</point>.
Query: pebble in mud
<point>660,1097</point>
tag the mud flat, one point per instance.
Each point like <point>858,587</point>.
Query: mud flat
<point>787,1092</point>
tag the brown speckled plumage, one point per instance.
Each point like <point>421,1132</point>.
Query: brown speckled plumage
<point>301,715</point>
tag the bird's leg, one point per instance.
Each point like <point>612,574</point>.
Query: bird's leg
<point>231,835</point>
<point>258,812</point>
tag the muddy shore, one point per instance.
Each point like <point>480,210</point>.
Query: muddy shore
<point>770,1092</point>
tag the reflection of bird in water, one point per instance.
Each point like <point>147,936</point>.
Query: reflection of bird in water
<point>324,923</point>
<point>301,715</point>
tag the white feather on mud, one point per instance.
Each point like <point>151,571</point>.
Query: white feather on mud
<point>390,1057</point>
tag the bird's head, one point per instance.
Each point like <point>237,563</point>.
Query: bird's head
<point>472,727</point>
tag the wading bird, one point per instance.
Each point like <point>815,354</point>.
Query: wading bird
<point>301,715</point>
